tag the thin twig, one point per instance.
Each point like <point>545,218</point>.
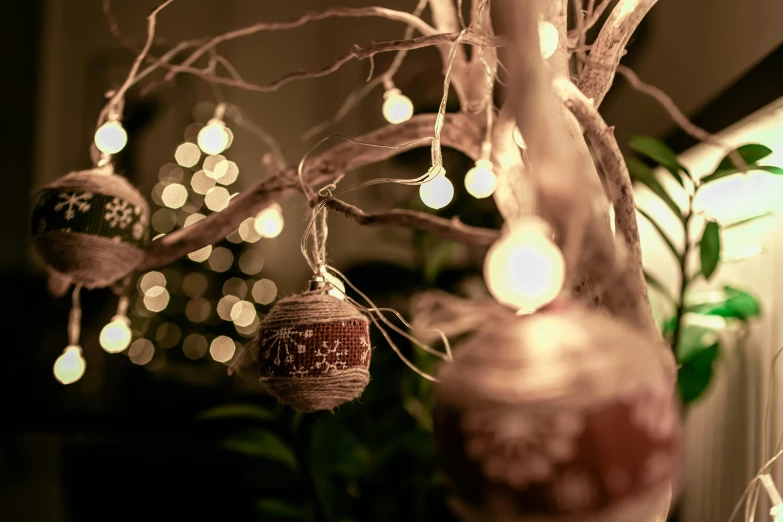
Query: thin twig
<point>460,132</point>
<point>452,229</point>
<point>679,117</point>
<point>339,12</point>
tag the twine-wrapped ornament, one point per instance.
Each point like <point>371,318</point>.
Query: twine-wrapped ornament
<point>314,351</point>
<point>564,415</point>
<point>90,226</point>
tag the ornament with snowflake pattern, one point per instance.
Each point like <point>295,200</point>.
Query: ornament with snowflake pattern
<point>90,227</point>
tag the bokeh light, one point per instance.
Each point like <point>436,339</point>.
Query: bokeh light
<point>250,330</point>
<point>195,346</point>
<point>168,335</point>
<point>217,199</point>
<point>156,299</point>
<point>201,183</point>
<point>156,193</point>
<point>194,284</point>
<point>251,262</point>
<point>197,310</point>
<point>150,280</point>
<point>221,259</point>
<point>174,195</point>
<point>164,220</point>
<point>437,192</point>
<point>247,230</point>
<point>171,173</point>
<point>225,305</point>
<point>243,313</point>
<point>269,222</point>
<point>200,255</point>
<point>193,218</point>
<point>215,166</point>
<point>235,286</point>
<point>213,138</point>
<point>548,39</point>
<point>187,154</point>
<point>111,138</point>
<point>264,291</point>
<point>231,175</point>
<point>222,349</point>
<point>141,351</point>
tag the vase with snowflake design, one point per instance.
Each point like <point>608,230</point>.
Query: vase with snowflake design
<point>91,227</point>
<point>564,415</point>
<point>314,352</point>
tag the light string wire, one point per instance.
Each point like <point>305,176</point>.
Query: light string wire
<point>752,489</point>
<point>75,317</point>
<point>437,156</point>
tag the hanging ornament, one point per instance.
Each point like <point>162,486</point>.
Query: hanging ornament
<point>314,350</point>
<point>564,415</point>
<point>91,226</point>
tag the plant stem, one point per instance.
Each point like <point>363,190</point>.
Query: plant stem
<point>684,279</point>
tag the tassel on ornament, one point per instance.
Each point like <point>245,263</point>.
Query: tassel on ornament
<point>564,415</point>
<point>314,351</point>
<point>90,226</point>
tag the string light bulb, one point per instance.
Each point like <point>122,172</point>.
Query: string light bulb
<point>269,222</point>
<point>481,181</point>
<point>548,39</point>
<point>111,137</point>
<point>437,192</point>
<point>116,335</point>
<point>213,138</point>
<point>524,269</point>
<point>69,367</point>
<point>397,108</point>
<point>518,139</point>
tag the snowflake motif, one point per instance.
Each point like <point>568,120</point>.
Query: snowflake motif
<point>73,201</point>
<point>42,225</point>
<point>654,414</point>
<point>308,334</point>
<point>140,226</point>
<point>520,448</point>
<point>330,359</point>
<point>574,491</point>
<point>300,348</point>
<point>119,213</point>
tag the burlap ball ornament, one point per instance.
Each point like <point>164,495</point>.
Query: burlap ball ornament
<point>91,227</point>
<point>564,415</point>
<point>314,352</point>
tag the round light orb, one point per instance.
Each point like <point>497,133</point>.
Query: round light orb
<point>481,181</point>
<point>116,335</point>
<point>437,192</point>
<point>269,222</point>
<point>397,107</point>
<point>111,138</point>
<point>69,367</point>
<point>524,269</point>
<point>548,39</point>
<point>213,138</point>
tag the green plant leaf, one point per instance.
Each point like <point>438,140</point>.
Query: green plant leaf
<point>277,509</point>
<point>750,154</point>
<point>709,249</point>
<point>644,174</point>
<point>772,169</point>
<point>238,411</point>
<point>694,337</point>
<point>659,152</point>
<point>695,374</point>
<point>336,449</point>
<point>748,220</point>
<point>654,283</point>
<point>262,444</point>
<point>742,302</point>
<point>669,242</point>
<point>438,260</point>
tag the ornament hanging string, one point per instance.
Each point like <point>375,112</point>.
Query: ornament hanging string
<point>75,317</point>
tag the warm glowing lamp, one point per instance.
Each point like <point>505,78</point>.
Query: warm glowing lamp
<point>437,192</point>
<point>524,269</point>
<point>481,181</point>
<point>69,367</point>
<point>213,138</point>
<point>116,335</point>
<point>548,39</point>
<point>111,138</point>
<point>397,107</point>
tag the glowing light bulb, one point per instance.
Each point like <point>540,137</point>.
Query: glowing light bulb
<point>480,181</point>
<point>269,222</point>
<point>336,285</point>
<point>111,138</point>
<point>524,269</point>
<point>548,39</point>
<point>116,335</point>
<point>69,367</point>
<point>437,192</point>
<point>518,139</point>
<point>397,107</point>
<point>213,138</point>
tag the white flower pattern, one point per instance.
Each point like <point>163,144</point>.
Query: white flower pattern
<point>119,213</point>
<point>519,447</point>
<point>73,201</point>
